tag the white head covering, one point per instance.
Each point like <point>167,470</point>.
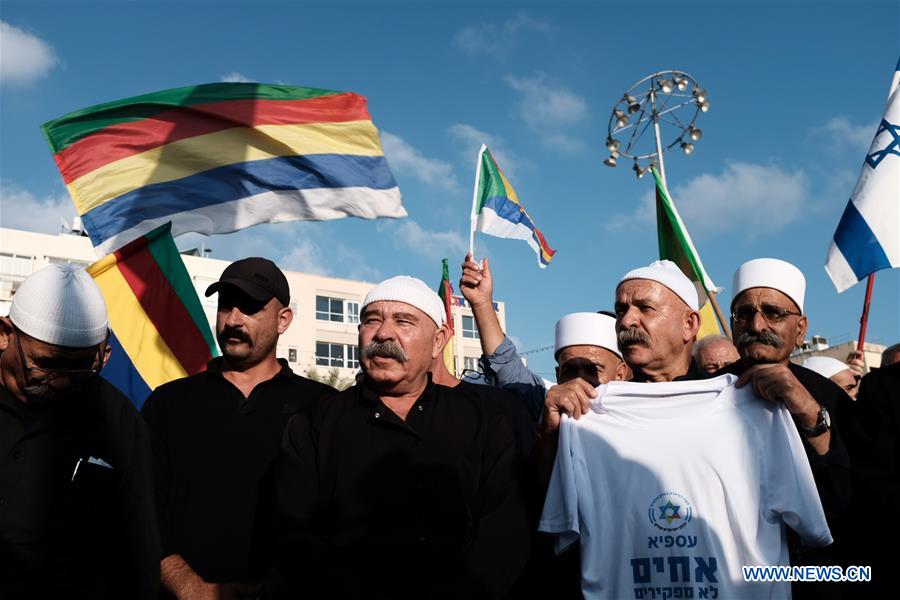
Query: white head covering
<point>667,273</point>
<point>61,305</point>
<point>770,273</point>
<point>587,329</point>
<point>410,290</point>
<point>825,365</point>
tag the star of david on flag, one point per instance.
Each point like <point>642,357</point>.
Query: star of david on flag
<point>867,238</point>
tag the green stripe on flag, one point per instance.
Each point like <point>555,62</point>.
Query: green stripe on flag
<point>674,241</point>
<point>162,247</point>
<point>490,184</point>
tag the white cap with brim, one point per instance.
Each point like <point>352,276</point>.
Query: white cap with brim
<point>410,290</point>
<point>668,274</point>
<point>770,273</point>
<point>61,305</point>
<point>587,329</point>
<point>825,365</point>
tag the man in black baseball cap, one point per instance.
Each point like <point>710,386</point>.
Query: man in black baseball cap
<point>215,435</point>
<point>257,277</point>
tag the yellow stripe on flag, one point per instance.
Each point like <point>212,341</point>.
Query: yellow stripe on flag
<point>204,152</point>
<point>708,323</point>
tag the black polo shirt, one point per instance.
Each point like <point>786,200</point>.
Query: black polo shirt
<point>211,451</point>
<point>76,501</point>
<point>374,506</point>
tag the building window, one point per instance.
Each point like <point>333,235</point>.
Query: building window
<point>337,355</point>
<point>468,327</point>
<point>470,363</point>
<point>352,312</point>
<point>14,265</point>
<point>333,309</point>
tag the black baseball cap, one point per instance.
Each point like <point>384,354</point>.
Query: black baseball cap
<point>257,277</point>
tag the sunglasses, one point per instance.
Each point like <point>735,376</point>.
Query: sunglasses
<point>771,314</point>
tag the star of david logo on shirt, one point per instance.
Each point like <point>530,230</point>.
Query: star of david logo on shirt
<point>669,512</point>
<point>892,147</point>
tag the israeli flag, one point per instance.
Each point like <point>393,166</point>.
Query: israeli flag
<point>868,237</point>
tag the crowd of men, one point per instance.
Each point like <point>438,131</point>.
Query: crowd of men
<point>249,481</point>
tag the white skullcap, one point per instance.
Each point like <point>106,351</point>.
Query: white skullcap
<point>667,273</point>
<point>410,290</point>
<point>770,273</point>
<point>61,305</point>
<point>587,329</point>
<point>825,365</point>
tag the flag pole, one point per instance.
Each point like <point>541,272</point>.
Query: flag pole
<point>474,216</point>
<point>662,175</point>
<point>864,319</point>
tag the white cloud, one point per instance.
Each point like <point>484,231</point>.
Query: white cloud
<point>839,137</point>
<point>406,234</point>
<point>23,210</point>
<point>335,260</point>
<point>236,77</point>
<point>406,160</point>
<point>550,110</point>
<point>24,57</point>
<point>746,198</point>
<point>499,40</point>
<point>469,140</point>
<point>545,103</point>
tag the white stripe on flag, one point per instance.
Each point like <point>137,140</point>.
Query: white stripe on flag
<point>322,204</point>
<point>493,224</point>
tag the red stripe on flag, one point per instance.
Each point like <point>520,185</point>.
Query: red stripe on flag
<point>159,300</point>
<point>127,139</point>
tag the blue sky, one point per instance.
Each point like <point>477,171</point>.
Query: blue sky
<point>796,90</point>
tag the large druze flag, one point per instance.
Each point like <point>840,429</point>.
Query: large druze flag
<point>220,157</point>
<point>867,238</point>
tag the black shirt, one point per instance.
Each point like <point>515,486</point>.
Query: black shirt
<point>76,501</point>
<point>874,443</point>
<point>375,506</point>
<point>211,451</point>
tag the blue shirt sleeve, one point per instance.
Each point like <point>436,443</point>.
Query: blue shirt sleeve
<point>504,369</point>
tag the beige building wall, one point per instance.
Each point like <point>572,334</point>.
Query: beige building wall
<point>871,351</point>
<point>322,336</point>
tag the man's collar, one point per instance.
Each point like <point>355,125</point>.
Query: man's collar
<point>370,396</point>
<point>214,368</point>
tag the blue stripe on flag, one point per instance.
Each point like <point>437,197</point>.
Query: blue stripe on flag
<point>120,372</point>
<point>856,241</point>
<point>508,210</point>
<point>233,182</point>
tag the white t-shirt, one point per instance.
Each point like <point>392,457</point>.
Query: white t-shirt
<point>672,487</point>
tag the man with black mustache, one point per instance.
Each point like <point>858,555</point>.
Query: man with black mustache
<point>767,321</point>
<point>215,436</point>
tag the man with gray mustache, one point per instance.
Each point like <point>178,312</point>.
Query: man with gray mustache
<point>399,487</point>
<point>768,322</point>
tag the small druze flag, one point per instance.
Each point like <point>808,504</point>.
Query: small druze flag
<point>868,236</point>
<point>496,210</point>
